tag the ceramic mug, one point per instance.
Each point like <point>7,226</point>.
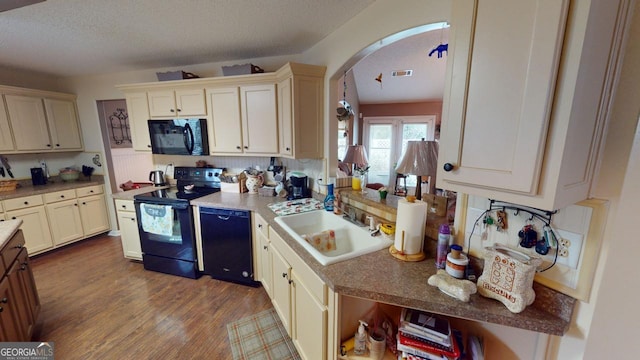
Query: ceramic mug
<point>254,182</point>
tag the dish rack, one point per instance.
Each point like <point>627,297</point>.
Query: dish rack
<point>8,185</point>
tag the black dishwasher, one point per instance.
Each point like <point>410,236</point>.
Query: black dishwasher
<point>227,252</point>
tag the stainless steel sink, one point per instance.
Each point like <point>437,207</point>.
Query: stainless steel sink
<point>351,240</point>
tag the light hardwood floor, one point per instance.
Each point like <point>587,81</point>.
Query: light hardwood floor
<point>98,305</point>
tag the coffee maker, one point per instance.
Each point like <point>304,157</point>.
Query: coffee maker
<point>298,185</point>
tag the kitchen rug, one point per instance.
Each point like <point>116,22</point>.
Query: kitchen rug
<point>296,206</point>
<point>261,336</point>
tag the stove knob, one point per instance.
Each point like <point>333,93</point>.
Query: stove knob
<point>209,174</point>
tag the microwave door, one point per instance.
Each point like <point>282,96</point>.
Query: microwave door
<point>189,140</point>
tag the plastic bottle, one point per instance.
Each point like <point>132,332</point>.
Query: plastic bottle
<point>328,200</point>
<point>444,235</point>
<point>360,346</point>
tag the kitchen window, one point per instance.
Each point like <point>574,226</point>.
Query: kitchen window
<point>385,139</point>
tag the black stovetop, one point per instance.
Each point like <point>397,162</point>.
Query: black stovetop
<point>175,194</point>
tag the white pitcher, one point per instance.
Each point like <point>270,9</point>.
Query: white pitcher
<point>254,182</point>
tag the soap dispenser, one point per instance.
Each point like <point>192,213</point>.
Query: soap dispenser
<point>328,200</point>
<point>360,346</point>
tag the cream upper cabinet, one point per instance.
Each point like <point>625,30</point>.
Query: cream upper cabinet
<point>40,121</point>
<point>6,140</point>
<point>522,115</point>
<point>138,109</point>
<point>28,122</point>
<point>269,114</point>
<point>300,111</point>
<point>225,132</point>
<point>63,124</point>
<point>259,119</point>
<point>178,103</point>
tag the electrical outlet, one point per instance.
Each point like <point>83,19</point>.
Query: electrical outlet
<point>569,249</point>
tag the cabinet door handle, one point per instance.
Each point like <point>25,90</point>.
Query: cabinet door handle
<point>288,149</point>
<point>91,191</point>
<point>179,110</point>
<point>149,145</point>
<point>75,204</point>
<point>124,206</point>
<point>62,196</point>
<point>172,110</point>
<point>246,147</point>
<point>132,219</point>
<point>48,145</point>
<point>448,167</point>
<point>290,281</point>
<point>22,267</point>
<point>238,147</point>
<point>284,275</point>
<point>4,300</point>
<point>13,218</point>
<point>26,203</point>
<point>265,247</point>
<point>1,309</point>
<point>19,246</point>
<point>260,226</point>
<point>58,145</point>
<point>84,203</point>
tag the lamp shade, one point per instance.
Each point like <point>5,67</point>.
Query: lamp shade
<point>420,158</point>
<point>356,154</point>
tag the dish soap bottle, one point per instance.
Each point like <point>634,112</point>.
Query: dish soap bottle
<point>328,201</point>
<point>360,346</point>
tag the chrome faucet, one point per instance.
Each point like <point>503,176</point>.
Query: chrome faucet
<point>351,217</point>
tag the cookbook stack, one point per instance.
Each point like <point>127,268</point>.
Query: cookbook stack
<point>422,335</point>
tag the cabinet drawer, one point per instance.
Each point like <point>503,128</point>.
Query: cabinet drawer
<point>125,205</point>
<point>23,202</point>
<point>89,190</point>
<point>60,196</point>
<point>12,248</point>
<point>262,226</point>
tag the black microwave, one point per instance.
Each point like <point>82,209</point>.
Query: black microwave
<point>179,136</point>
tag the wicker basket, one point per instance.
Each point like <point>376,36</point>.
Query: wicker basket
<point>8,185</point>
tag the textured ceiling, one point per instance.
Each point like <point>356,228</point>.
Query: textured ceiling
<point>82,37</point>
<point>85,37</point>
<point>412,53</point>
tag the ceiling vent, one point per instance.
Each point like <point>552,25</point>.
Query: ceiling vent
<point>402,73</point>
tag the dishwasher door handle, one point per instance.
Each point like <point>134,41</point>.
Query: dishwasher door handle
<point>225,218</point>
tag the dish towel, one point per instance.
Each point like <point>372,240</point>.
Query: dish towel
<point>323,241</point>
<point>157,219</point>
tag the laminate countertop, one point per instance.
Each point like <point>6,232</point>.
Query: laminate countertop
<point>381,277</point>
<point>8,228</point>
<point>26,189</point>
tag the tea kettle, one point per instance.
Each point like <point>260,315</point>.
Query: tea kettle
<point>157,178</point>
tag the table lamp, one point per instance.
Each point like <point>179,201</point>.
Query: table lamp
<point>357,155</point>
<point>420,159</point>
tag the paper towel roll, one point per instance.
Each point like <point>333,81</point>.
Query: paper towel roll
<point>410,226</point>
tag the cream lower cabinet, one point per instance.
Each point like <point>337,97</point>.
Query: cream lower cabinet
<point>93,210</point>
<point>64,216</point>
<point>76,214</point>
<point>524,124</point>
<point>35,225</point>
<point>262,252</point>
<point>129,235</point>
<point>303,302</point>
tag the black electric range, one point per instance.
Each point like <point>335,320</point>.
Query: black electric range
<point>204,181</point>
<point>166,224</point>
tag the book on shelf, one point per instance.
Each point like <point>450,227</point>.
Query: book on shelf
<point>409,344</point>
<point>444,345</point>
<point>422,322</point>
<point>409,356</point>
